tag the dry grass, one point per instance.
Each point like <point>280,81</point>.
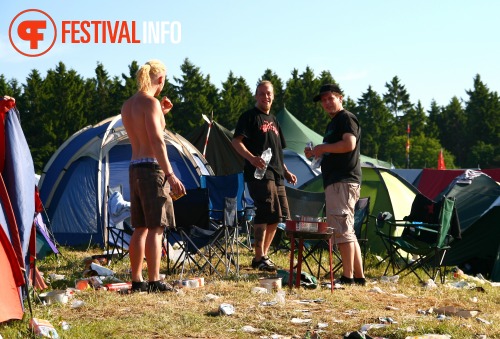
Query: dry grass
<point>188,314</point>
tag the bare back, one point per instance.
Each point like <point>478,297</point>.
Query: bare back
<point>144,122</point>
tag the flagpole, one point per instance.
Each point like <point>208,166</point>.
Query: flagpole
<point>209,121</point>
<point>408,146</point>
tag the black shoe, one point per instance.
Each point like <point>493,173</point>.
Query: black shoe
<point>344,281</point>
<point>139,286</point>
<point>263,265</point>
<point>159,286</point>
<point>268,261</point>
<point>360,281</point>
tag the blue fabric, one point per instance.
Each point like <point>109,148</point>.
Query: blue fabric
<point>220,187</point>
<point>19,177</point>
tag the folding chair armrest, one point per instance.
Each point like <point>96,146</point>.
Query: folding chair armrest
<point>433,228</point>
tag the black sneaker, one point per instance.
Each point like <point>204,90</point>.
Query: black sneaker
<point>344,281</point>
<point>159,286</point>
<point>139,286</point>
<point>360,281</point>
<point>263,265</point>
<point>268,260</point>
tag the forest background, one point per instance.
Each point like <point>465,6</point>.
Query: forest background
<point>394,129</point>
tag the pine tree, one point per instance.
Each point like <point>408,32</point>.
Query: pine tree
<point>453,129</point>
<point>433,121</point>
<point>34,119</point>
<point>299,93</point>
<point>415,116</point>
<point>65,103</point>
<point>197,96</point>
<point>397,98</point>
<point>236,97</point>
<point>483,117</point>
<point>377,125</point>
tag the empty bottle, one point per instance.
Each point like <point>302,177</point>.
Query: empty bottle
<point>266,156</point>
<point>316,162</point>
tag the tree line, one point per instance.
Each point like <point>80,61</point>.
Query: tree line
<point>54,106</point>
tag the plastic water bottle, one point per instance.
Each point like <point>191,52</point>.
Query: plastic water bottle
<point>316,162</point>
<point>280,297</point>
<point>266,156</point>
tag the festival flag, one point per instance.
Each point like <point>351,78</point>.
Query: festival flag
<point>441,165</point>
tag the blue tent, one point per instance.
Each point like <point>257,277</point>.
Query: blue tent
<point>74,181</point>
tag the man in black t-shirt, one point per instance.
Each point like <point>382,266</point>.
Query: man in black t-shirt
<point>256,131</point>
<point>341,170</point>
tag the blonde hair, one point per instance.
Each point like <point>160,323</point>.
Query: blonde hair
<point>264,83</point>
<point>148,72</point>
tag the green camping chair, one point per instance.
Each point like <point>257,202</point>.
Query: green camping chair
<point>421,240</point>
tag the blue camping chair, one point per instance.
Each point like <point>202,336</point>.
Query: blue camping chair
<point>227,213</point>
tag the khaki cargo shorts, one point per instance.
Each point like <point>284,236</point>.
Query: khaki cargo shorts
<point>341,199</point>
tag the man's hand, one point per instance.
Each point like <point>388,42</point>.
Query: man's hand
<point>166,105</point>
<point>290,177</point>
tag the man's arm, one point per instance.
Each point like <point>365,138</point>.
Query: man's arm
<point>238,145</point>
<point>347,144</point>
<point>289,176</point>
<point>154,127</point>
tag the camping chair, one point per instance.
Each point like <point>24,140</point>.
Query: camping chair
<point>300,203</point>
<point>422,209</point>
<point>423,235</point>
<point>227,214</point>
<point>361,214</point>
<point>191,245</point>
<point>315,251</point>
<point>118,226</point>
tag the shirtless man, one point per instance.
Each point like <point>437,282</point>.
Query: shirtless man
<point>151,175</point>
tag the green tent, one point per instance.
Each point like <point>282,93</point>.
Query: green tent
<point>478,207</point>
<point>388,192</point>
<point>297,135</point>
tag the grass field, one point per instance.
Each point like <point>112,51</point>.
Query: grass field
<point>193,313</point>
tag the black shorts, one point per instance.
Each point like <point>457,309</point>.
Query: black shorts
<point>270,201</point>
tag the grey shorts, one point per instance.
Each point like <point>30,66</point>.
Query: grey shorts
<point>270,201</point>
<point>341,199</point>
<point>150,202</point>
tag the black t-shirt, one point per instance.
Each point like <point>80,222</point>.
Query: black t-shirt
<point>342,167</point>
<point>260,131</point>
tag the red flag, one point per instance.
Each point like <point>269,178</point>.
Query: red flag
<point>441,165</point>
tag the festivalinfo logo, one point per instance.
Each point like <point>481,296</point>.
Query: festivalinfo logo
<point>33,32</point>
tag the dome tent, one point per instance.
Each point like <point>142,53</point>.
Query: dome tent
<point>74,181</point>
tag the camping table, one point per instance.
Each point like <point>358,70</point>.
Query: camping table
<point>301,236</point>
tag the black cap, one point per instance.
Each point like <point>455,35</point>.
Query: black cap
<point>326,89</point>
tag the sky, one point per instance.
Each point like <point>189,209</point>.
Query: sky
<point>436,48</point>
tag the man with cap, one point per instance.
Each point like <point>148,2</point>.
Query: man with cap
<point>341,169</point>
